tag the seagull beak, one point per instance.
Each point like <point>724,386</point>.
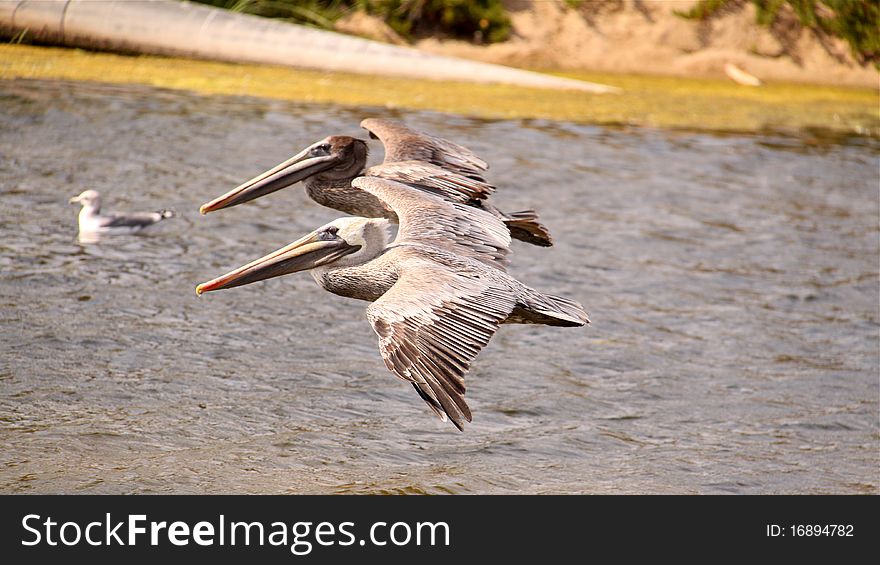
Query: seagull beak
<point>307,253</point>
<point>74,200</point>
<point>299,167</point>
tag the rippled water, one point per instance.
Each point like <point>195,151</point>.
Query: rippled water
<point>732,282</point>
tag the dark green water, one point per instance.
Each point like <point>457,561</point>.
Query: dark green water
<point>732,282</point>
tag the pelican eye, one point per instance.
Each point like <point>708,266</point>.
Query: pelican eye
<point>323,149</point>
<point>329,233</point>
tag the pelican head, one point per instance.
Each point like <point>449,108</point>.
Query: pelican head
<point>88,198</point>
<point>334,157</point>
<point>341,243</point>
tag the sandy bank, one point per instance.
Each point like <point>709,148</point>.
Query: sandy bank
<point>646,37</point>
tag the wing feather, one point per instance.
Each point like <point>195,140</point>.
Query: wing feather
<point>405,144</point>
<point>431,220</point>
<point>432,324</point>
<point>434,179</point>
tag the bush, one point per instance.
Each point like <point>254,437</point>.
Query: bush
<point>482,21</point>
<point>856,21</point>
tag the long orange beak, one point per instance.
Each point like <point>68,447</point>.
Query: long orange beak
<point>303,254</point>
<point>299,167</point>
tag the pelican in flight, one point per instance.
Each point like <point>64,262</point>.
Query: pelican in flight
<point>92,223</point>
<point>418,159</point>
<point>439,290</point>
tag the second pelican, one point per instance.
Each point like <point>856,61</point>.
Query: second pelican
<point>420,160</point>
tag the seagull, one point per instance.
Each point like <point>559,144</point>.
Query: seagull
<point>93,224</point>
<point>439,290</point>
<point>433,164</point>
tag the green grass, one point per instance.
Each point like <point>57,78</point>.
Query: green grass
<point>698,104</point>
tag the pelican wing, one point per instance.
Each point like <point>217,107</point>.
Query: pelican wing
<point>434,179</point>
<point>430,220</point>
<point>405,144</point>
<point>432,324</point>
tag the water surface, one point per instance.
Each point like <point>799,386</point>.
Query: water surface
<point>732,282</point>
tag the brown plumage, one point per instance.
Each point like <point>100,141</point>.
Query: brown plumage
<point>406,144</point>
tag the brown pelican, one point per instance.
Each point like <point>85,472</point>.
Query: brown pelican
<point>439,290</point>
<point>418,159</point>
<point>92,223</point>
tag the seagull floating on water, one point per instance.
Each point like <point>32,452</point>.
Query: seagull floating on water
<point>417,159</point>
<point>439,290</point>
<point>92,223</point>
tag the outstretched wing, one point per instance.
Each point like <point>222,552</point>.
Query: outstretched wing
<point>434,179</point>
<point>431,220</point>
<point>405,144</point>
<point>432,324</point>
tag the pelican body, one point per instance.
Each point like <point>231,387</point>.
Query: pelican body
<point>439,290</point>
<point>92,223</point>
<point>435,165</point>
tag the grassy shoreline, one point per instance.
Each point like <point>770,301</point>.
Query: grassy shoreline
<point>666,102</point>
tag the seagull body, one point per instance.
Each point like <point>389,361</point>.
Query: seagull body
<point>439,290</point>
<point>93,223</point>
<point>422,161</point>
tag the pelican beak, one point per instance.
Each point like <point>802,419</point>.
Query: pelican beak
<point>303,254</point>
<point>299,167</point>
